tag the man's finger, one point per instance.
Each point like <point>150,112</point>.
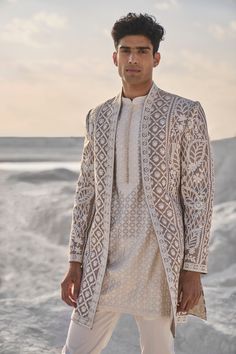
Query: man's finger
<point>65,294</point>
<point>192,301</point>
<point>183,303</point>
<point>67,299</point>
<point>189,305</point>
<point>180,292</point>
<point>76,290</point>
<point>70,292</point>
<point>195,300</point>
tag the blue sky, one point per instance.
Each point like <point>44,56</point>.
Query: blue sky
<point>56,61</point>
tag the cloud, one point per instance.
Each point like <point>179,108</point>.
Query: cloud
<point>200,65</point>
<point>222,32</point>
<point>25,31</point>
<point>166,4</point>
<point>55,70</point>
<point>50,20</point>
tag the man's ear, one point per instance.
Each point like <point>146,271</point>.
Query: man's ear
<point>114,56</point>
<point>157,58</point>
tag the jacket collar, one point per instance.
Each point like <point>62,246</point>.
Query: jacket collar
<point>154,88</point>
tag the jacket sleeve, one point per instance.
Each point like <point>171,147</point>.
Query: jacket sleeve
<point>84,198</point>
<point>197,189</point>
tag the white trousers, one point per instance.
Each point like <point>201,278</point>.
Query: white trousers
<point>155,336</point>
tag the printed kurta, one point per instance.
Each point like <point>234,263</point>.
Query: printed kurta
<point>178,181</point>
<point>135,280</point>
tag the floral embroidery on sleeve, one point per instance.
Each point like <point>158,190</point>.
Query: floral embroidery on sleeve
<point>197,189</point>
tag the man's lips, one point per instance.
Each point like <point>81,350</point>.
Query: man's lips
<point>133,70</point>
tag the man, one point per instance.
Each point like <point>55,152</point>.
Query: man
<point>143,205</point>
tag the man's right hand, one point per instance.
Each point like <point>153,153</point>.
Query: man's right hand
<point>70,285</point>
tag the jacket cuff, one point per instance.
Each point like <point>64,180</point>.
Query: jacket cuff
<point>195,267</point>
<point>75,258</point>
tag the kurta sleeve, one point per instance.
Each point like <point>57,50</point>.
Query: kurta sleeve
<point>197,189</point>
<point>84,197</point>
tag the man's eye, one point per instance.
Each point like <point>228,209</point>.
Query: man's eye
<point>143,51</point>
<point>125,50</point>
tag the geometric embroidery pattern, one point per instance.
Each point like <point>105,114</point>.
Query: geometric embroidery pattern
<point>178,181</point>
<point>135,280</point>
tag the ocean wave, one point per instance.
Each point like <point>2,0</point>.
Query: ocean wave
<point>55,174</point>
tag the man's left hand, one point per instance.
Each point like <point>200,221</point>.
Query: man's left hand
<point>190,289</point>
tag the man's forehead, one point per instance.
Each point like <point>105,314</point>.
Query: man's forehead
<point>135,42</point>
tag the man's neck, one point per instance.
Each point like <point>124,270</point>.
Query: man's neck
<point>132,91</point>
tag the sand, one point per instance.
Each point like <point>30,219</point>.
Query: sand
<point>37,183</point>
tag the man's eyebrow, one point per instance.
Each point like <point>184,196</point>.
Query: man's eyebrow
<point>139,47</point>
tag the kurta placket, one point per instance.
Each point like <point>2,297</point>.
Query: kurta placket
<point>135,280</point>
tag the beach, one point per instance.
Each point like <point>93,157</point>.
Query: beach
<point>37,184</point>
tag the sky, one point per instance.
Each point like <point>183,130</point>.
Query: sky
<point>56,61</point>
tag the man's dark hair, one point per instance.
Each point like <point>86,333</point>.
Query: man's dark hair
<point>142,24</point>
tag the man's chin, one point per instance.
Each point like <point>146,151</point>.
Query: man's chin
<point>133,80</point>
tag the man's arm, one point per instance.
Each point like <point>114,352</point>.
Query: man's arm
<point>197,189</point>
<point>81,217</point>
<point>84,198</point>
<point>196,194</point>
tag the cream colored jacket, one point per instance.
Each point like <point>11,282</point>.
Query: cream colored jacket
<point>178,181</point>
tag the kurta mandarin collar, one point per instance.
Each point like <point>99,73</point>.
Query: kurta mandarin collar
<point>139,99</point>
<point>135,101</point>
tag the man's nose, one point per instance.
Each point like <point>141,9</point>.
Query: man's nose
<point>132,58</point>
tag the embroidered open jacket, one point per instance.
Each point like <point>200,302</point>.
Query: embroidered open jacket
<point>178,181</point>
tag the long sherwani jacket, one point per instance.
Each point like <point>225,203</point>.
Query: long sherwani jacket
<point>178,181</point>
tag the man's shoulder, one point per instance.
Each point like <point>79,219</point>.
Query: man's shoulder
<point>94,113</point>
<point>171,96</point>
<point>105,104</point>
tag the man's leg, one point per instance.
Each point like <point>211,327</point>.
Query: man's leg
<point>155,335</point>
<point>82,340</point>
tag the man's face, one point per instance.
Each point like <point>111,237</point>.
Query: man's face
<point>134,59</point>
